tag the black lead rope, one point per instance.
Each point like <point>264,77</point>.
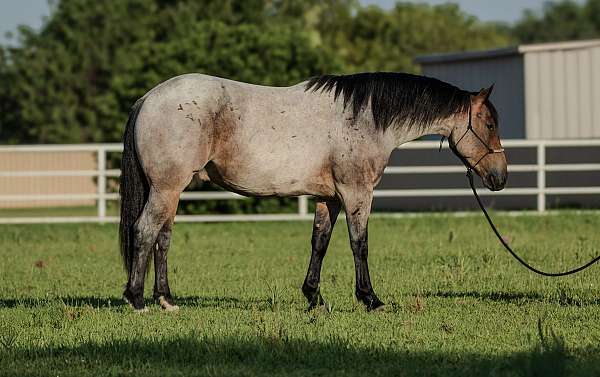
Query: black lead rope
<point>454,148</point>
<point>503,242</point>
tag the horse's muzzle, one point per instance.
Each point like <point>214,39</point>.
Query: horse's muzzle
<point>495,180</point>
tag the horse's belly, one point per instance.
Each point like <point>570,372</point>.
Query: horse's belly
<point>271,178</point>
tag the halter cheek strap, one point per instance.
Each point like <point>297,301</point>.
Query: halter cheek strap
<point>454,146</point>
<point>487,216</point>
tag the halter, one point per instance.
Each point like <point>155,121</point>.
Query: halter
<point>454,146</point>
<point>470,169</point>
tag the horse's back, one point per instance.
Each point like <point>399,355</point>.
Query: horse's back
<point>252,139</point>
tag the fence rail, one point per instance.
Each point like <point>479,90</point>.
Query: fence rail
<point>102,174</point>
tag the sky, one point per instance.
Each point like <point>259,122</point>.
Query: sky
<point>31,12</point>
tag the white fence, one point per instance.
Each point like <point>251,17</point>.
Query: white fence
<point>102,174</point>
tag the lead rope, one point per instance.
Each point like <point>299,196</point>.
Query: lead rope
<point>503,242</point>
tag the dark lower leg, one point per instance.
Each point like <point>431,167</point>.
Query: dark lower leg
<point>162,293</point>
<point>364,290</point>
<point>325,217</point>
<point>157,211</point>
<point>134,293</point>
<point>357,216</point>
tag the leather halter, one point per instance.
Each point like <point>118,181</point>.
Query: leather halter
<point>454,146</point>
<point>487,216</point>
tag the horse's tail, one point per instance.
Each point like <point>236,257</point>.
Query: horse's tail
<point>133,189</point>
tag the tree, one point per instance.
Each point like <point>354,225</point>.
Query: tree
<point>559,21</point>
<point>376,39</point>
<point>75,80</point>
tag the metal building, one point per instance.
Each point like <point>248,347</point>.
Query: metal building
<point>542,91</point>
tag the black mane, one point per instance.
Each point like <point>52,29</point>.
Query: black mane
<point>396,98</point>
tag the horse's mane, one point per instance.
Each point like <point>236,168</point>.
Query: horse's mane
<point>396,98</point>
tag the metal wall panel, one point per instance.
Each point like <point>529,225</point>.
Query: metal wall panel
<point>562,93</point>
<point>532,82</point>
<point>506,72</point>
<point>595,96</point>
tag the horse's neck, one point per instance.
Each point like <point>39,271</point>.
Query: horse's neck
<point>405,133</point>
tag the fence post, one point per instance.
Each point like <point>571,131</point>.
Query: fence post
<point>101,184</point>
<point>302,205</point>
<point>541,176</point>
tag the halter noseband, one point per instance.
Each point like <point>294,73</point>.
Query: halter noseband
<point>454,146</point>
<point>487,216</point>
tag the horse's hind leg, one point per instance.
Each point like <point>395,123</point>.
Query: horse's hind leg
<point>325,216</point>
<point>162,293</point>
<point>160,208</point>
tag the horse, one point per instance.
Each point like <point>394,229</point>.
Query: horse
<point>329,137</point>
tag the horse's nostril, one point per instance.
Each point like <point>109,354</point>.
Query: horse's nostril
<point>497,179</point>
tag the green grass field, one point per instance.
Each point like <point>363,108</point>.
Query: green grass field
<point>457,304</point>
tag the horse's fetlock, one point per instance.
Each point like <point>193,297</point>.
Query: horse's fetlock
<point>313,295</point>
<point>133,298</point>
<point>309,289</point>
<point>157,295</point>
<point>369,299</point>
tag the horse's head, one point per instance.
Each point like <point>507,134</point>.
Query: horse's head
<point>475,140</point>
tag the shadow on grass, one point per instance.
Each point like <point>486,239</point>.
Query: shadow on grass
<point>75,301</point>
<point>265,356</point>
<point>111,302</point>
<point>562,298</point>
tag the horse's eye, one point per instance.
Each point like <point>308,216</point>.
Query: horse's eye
<point>490,126</point>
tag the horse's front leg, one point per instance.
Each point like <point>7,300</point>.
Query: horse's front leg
<point>357,203</point>
<point>325,216</point>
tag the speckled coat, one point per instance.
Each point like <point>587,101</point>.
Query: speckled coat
<point>264,141</point>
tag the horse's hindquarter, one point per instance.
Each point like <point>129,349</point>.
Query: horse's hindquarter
<point>280,145</point>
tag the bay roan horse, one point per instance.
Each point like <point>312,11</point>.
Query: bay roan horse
<point>330,137</point>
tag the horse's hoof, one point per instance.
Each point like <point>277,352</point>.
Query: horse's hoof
<point>372,303</point>
<point>381,308</point>
<point>376,306</point>
<point>141,311</point>
<point>315,300</point>
<point>136,304</point>
<point>166,305</point>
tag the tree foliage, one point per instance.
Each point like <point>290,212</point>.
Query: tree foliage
<point>75,79</point>
<point>559,21</point>
<point>379,40</point>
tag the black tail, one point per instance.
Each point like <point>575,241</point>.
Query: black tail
<point>133,189</point>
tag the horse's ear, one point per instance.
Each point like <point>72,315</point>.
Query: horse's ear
<point>483,95</point>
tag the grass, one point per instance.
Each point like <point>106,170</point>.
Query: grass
<point>457,304</point>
